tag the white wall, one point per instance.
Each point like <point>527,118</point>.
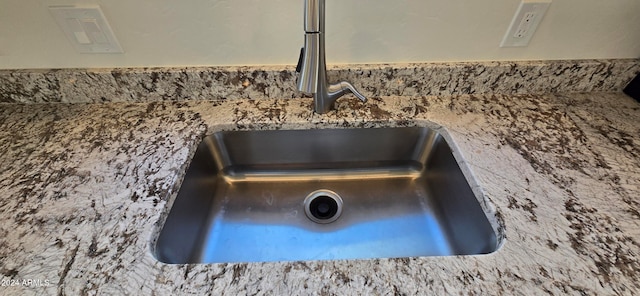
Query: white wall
<point>257,32</point>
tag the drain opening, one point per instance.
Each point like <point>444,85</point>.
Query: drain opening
<point>323,206</point>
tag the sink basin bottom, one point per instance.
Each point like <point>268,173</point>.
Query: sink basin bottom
<point>369,226</point>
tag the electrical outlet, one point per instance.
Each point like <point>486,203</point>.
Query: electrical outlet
<point>525,22</point>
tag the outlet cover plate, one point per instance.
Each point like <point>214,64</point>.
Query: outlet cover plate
<point>86,28</point>
<point>525,22</point>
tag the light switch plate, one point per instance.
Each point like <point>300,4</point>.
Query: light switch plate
<point>86,28</point>
<point>525,22</point>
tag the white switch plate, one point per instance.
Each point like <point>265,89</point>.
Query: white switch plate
<point>525,23</point>
<point>86,28</point>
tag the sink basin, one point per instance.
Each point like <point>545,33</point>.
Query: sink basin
<point>285,195</point>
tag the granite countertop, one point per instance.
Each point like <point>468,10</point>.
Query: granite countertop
<point>84,188</point>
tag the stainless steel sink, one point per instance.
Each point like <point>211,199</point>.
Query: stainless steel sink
<point>253,196</point>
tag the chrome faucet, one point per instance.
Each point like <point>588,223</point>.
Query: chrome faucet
<point>312,64</point>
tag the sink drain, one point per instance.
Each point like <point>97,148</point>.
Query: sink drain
<point>323,206</point>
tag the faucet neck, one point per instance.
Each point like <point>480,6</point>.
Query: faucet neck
<point>312,64</point>
<point>314,13</point>
<point>313,71</point>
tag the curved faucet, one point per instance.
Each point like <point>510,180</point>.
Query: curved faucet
<point>312,64</point>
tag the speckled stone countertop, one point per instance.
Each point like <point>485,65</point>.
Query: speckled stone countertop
<point>550,147</point>
<point>83,188</point>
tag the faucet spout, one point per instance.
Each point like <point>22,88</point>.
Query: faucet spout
<point>312,64</point>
